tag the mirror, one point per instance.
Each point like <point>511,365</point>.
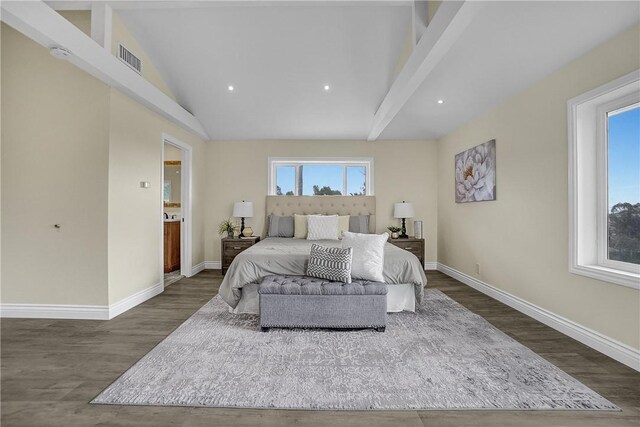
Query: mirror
<point>172,184</point>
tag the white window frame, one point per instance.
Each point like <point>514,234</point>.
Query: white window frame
<point>588,187</point>
<point>366,162</point>
<point>623,103</point>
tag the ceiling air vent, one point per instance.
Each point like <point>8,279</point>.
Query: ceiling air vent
<point>130,59</point>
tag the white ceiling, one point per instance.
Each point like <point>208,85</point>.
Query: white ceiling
<point>279,57</point>
<point>508,47</point>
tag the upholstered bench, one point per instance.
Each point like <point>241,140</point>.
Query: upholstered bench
<point>309,302</point>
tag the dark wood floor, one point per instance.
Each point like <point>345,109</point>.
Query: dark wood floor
<point>52,368</point>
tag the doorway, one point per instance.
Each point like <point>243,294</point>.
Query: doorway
<point>176,210</point>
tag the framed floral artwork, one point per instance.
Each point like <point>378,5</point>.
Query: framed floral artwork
<point>476,173</point>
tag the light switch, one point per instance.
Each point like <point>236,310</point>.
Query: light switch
<point>145,184</point>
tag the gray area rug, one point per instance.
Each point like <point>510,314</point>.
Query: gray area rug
<point>441,357</point>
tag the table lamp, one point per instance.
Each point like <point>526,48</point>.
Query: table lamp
<point>243,210</point>
<point>403,210</point>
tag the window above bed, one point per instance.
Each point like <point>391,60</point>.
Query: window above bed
<point>304,176</point>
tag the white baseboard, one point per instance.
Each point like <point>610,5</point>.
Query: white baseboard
<point>55,311</point>
<point>430,265</point>
<point>213,265</point>
<point>79,312</point>
<point>197,268</point>
<point>606,345</point>
<point>132,300</point>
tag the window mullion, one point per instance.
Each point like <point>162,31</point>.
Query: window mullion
<point>601,185</point>
<point>344,180</point>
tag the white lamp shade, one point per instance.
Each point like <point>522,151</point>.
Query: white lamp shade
<point>243,209</point>
<point>403,210</point>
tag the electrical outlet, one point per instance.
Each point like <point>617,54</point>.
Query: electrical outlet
<point>477,268</point>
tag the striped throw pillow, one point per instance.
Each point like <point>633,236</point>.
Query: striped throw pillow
<point>330,263</point>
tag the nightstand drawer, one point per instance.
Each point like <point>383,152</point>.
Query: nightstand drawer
<point>227,260</point>
<point>410,246</point>
<point>234,248</point>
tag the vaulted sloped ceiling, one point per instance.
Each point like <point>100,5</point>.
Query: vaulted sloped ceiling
<point>507,47</point>
<point>278,56</point>
<point>278,59</point>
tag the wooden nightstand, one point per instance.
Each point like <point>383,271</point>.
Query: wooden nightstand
<point>232,247</point>
<point>413,245</point>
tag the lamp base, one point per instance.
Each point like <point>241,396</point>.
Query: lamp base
<point>403,234</point>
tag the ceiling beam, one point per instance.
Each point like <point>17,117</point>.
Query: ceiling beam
<point>45,26</point>
<point>449,22</point>
<point>420,12</point>
<point>101,24</point>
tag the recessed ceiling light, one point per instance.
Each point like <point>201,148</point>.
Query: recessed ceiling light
<point>327,87</point>
<point>230,88</point>
<point>440,101</point>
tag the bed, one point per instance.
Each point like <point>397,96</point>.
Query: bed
<point>274,255</point>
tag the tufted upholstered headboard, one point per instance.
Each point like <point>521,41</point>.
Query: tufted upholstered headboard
<point>325,205</point>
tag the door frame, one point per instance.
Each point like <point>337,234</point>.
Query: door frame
<point>186,197</point>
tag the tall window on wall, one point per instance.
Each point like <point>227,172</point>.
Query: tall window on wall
<point>604,182</point>
<point>320,176</point>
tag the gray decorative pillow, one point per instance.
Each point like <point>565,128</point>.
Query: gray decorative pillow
<point>280,226</point>
<point>330,263</point>
<point>359,224</point>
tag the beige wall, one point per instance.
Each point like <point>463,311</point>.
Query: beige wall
<point>135,214</point>
<point>0,166</point>
<point>54,170</point>
<point>432,8</point>
<point>520,240</point>
<point>172,153</point>
<point>403,170</point>
<point>79,18</point>
<point>74,152</point>
<point>121,34</point>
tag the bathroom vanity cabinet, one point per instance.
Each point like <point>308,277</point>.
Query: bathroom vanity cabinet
<point>171,246</point>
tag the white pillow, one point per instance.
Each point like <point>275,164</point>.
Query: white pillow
<point>368,254</point>
<point>299,226</point>
<point>320,227</point>
<point>343,224</point>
